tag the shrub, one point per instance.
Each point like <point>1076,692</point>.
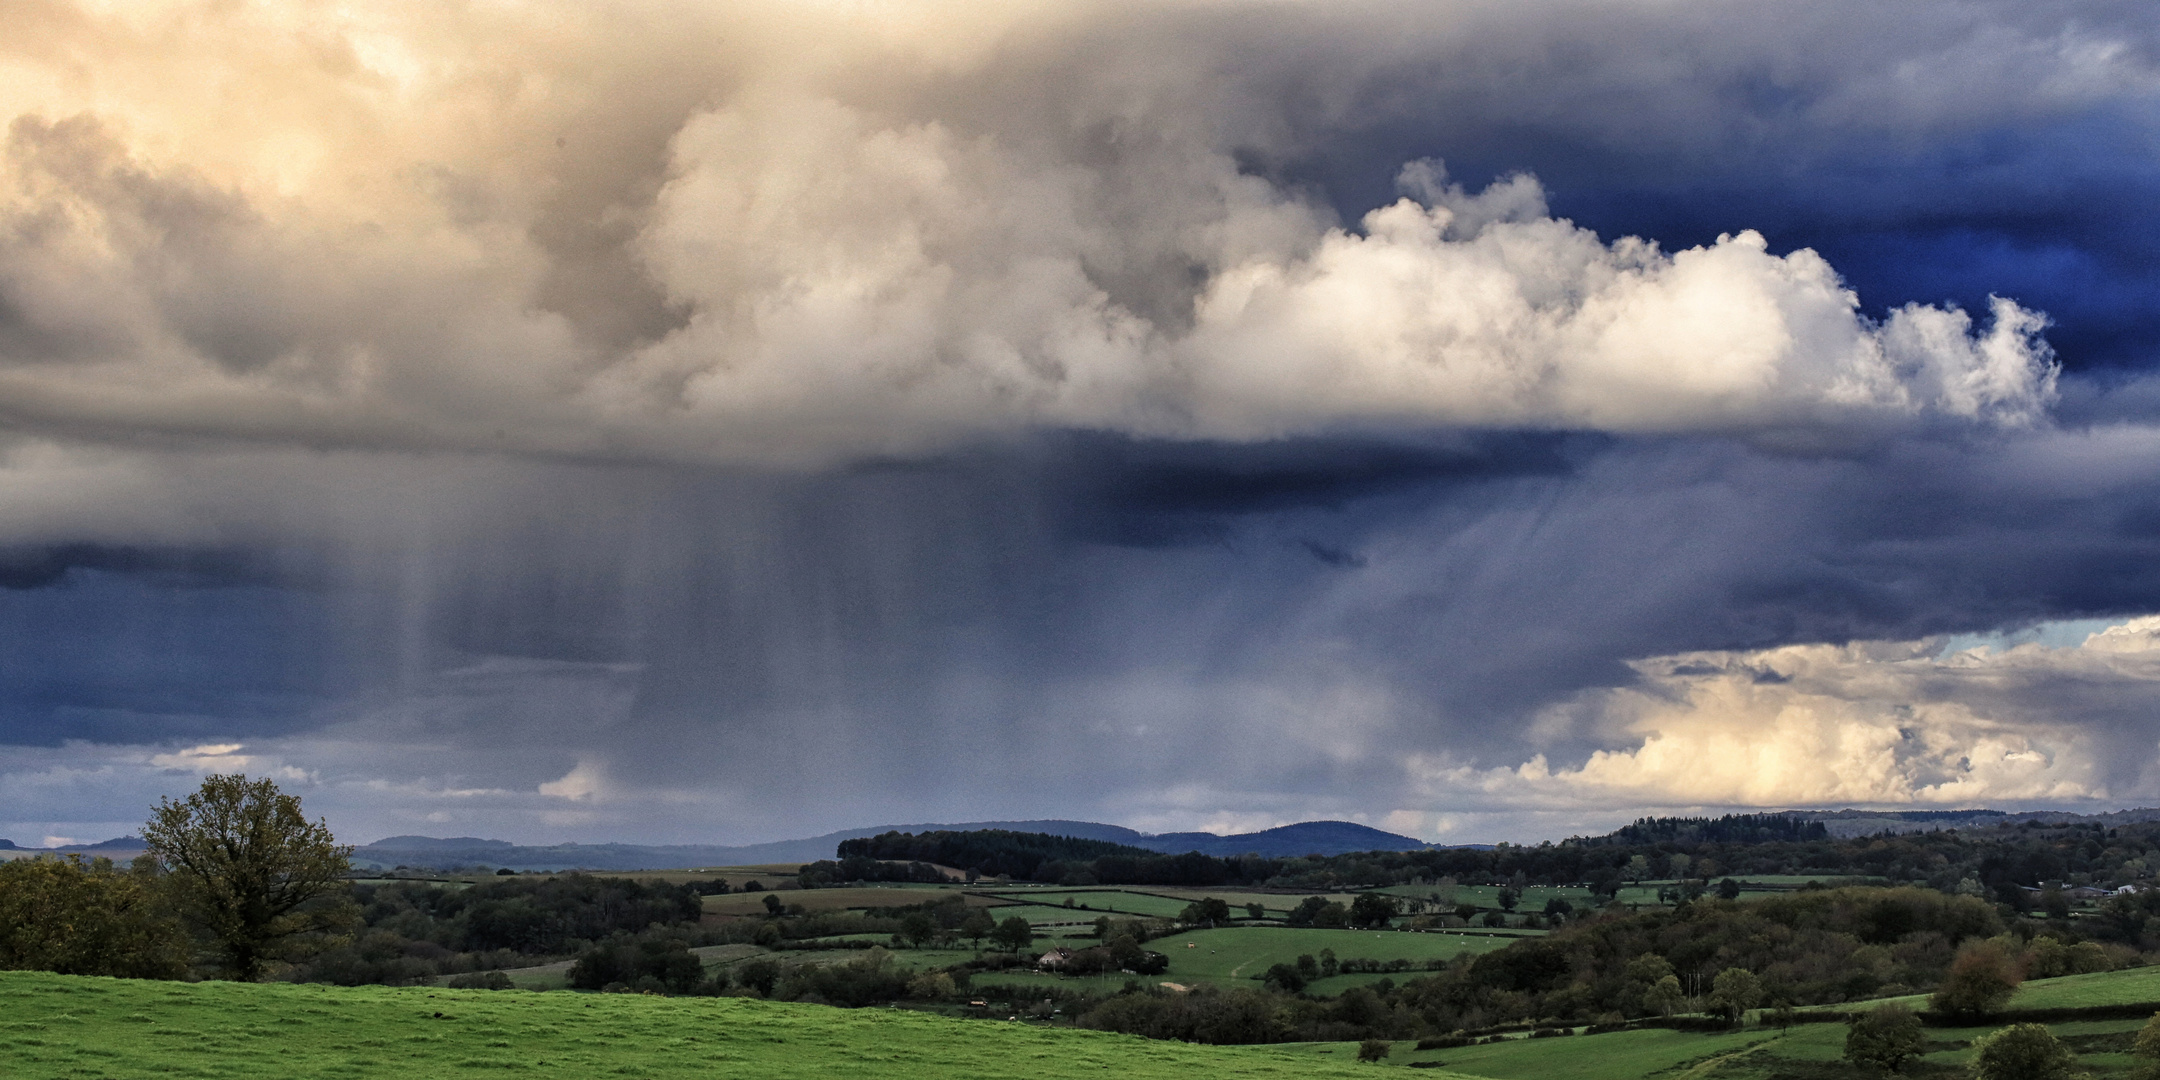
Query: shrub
<point>2022,1052</point>
<point>481,980</point>
<point>1374,1049</point>
<point>1885,1037</point>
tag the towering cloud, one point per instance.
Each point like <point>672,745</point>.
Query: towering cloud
<point>628,399</point>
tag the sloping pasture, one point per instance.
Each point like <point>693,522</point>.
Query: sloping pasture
<point>54,1026</point>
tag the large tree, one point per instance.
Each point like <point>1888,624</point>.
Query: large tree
<point>246,867</point>
<point>1981,979</point>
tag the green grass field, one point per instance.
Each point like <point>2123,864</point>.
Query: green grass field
<point>54,1026</point>
<point>2128,987</point>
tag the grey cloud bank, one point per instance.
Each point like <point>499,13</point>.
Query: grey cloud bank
<point>720,424</point>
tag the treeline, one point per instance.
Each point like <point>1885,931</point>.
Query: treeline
<point>987,852</point>
<point>411,932</point>
<point>80,917</point>
<point>1730,829</point>
<point>825,872</point>
<point>1995,862</point>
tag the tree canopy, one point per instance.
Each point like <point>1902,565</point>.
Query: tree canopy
<point>78,918</point>
<point>246,867</point>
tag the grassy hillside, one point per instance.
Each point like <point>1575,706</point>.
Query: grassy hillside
<point>2130,986</point>
<point>59,1026</point>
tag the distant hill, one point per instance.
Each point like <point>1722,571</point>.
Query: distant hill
<point>1303,838</point>
<point>427,852</point>
<point>119,849</point>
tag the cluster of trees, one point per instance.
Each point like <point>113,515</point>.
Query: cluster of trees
<point>410,932</point>
<point>238,883</point>
<point>1810,947</point>
<point>1366,911</point>
<point>656,963</point>
<point>1730,829</point>
<point>235,880</point>
<point>826,873</point>
<point>88,918</point>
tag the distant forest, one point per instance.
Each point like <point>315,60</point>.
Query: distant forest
<point>1997,862</point>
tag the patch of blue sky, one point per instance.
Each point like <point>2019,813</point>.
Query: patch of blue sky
<point>2058,634</point>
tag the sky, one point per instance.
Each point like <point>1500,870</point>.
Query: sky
<point>725,422</point>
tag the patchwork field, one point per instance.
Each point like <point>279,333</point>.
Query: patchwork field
<point>1234,956</point>
<point>54,1026</point>
<point>836,899</point>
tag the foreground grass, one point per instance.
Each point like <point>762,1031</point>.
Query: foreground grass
<point>61,1026</point>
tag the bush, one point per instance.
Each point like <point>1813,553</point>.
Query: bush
<point>2022,1052</point>
<point>1374,1049</point>
<point>482,980</point>
<point>1885,1037</point>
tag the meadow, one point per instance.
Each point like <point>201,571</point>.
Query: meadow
<point>54,1026</point>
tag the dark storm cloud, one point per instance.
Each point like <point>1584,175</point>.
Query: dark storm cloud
<point>776,422</point>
